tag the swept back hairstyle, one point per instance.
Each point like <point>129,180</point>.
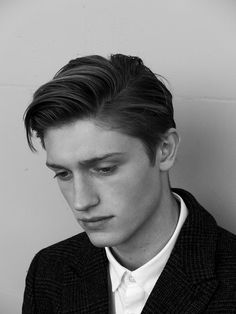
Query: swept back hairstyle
<point>119,92</point>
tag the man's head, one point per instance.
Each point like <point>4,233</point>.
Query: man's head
<point>107,127</point>
<point>120,93</point>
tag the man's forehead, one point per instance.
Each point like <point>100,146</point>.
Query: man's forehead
<point>86,134</point>
<point>84,141</point>
<point>91,161</point>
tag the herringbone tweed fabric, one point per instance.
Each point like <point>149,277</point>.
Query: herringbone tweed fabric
<point>71,277</point>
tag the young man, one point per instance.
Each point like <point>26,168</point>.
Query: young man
<point>108,130</point>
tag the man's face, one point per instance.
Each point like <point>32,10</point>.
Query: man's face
<point>108,181</point>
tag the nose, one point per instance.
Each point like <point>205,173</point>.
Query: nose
<point>84,194</point>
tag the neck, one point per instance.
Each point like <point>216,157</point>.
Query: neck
<point>152,242</point>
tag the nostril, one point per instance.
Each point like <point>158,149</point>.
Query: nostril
<point>86,205</point>
<point>81,207</point>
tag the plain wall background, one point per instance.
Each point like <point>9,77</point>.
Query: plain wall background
<point>191,43</point>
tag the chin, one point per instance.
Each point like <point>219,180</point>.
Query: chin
<point>103,240</point>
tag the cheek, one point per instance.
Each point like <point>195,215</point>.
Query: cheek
<point>133,191</point>
<point>66,192</point>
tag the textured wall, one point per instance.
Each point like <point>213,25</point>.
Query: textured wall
<point>192,43</point>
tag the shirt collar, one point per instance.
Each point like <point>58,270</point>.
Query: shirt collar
<point>149,272</point>
<point>117,271</point>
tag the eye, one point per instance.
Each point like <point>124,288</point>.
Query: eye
<point>104,170</point>
<point>64,175</point>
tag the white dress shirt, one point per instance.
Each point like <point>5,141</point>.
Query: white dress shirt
<point>131,289</point>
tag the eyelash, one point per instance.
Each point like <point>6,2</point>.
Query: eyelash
<point>60,176</point>
<point>103,171</point>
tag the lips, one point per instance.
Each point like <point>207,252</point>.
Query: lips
<point>94,223</point>
<point>95,219</point>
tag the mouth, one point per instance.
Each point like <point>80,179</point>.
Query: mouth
<point>94,222</point>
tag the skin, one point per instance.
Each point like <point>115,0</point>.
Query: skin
<point>116,195</point>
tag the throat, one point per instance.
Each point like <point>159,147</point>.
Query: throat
<point>137,254</point>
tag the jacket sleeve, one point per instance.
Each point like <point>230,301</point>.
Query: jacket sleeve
<point>39,297</point>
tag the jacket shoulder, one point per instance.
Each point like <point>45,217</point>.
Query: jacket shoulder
<point>68,246</point>
<point>224,300</point>
<point>226,254</point>
<point>63,252</point>
<point>48,271</point>
<point>51,260</point>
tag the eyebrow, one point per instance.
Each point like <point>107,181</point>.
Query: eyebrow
<point>87,162</point>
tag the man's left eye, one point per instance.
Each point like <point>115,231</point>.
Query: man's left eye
<point>104,170</point>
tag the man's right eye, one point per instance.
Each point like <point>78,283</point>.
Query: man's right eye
<point>64,175</point>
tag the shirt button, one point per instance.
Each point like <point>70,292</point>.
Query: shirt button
<point>131,279</point>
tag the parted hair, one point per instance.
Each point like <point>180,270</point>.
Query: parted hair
<point>119,92</point>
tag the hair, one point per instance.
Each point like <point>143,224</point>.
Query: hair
<point>119,92</point>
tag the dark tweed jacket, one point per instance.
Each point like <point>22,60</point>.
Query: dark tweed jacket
<point>71,277</point>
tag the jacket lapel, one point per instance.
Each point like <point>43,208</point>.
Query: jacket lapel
<point>188,279</point>
<point>96,282</point>
<point>174,293</point>
<point>90,282</point>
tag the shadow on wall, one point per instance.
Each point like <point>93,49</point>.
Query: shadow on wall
<point>206,161</point>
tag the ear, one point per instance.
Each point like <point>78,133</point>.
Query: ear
<point>167,149</point>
